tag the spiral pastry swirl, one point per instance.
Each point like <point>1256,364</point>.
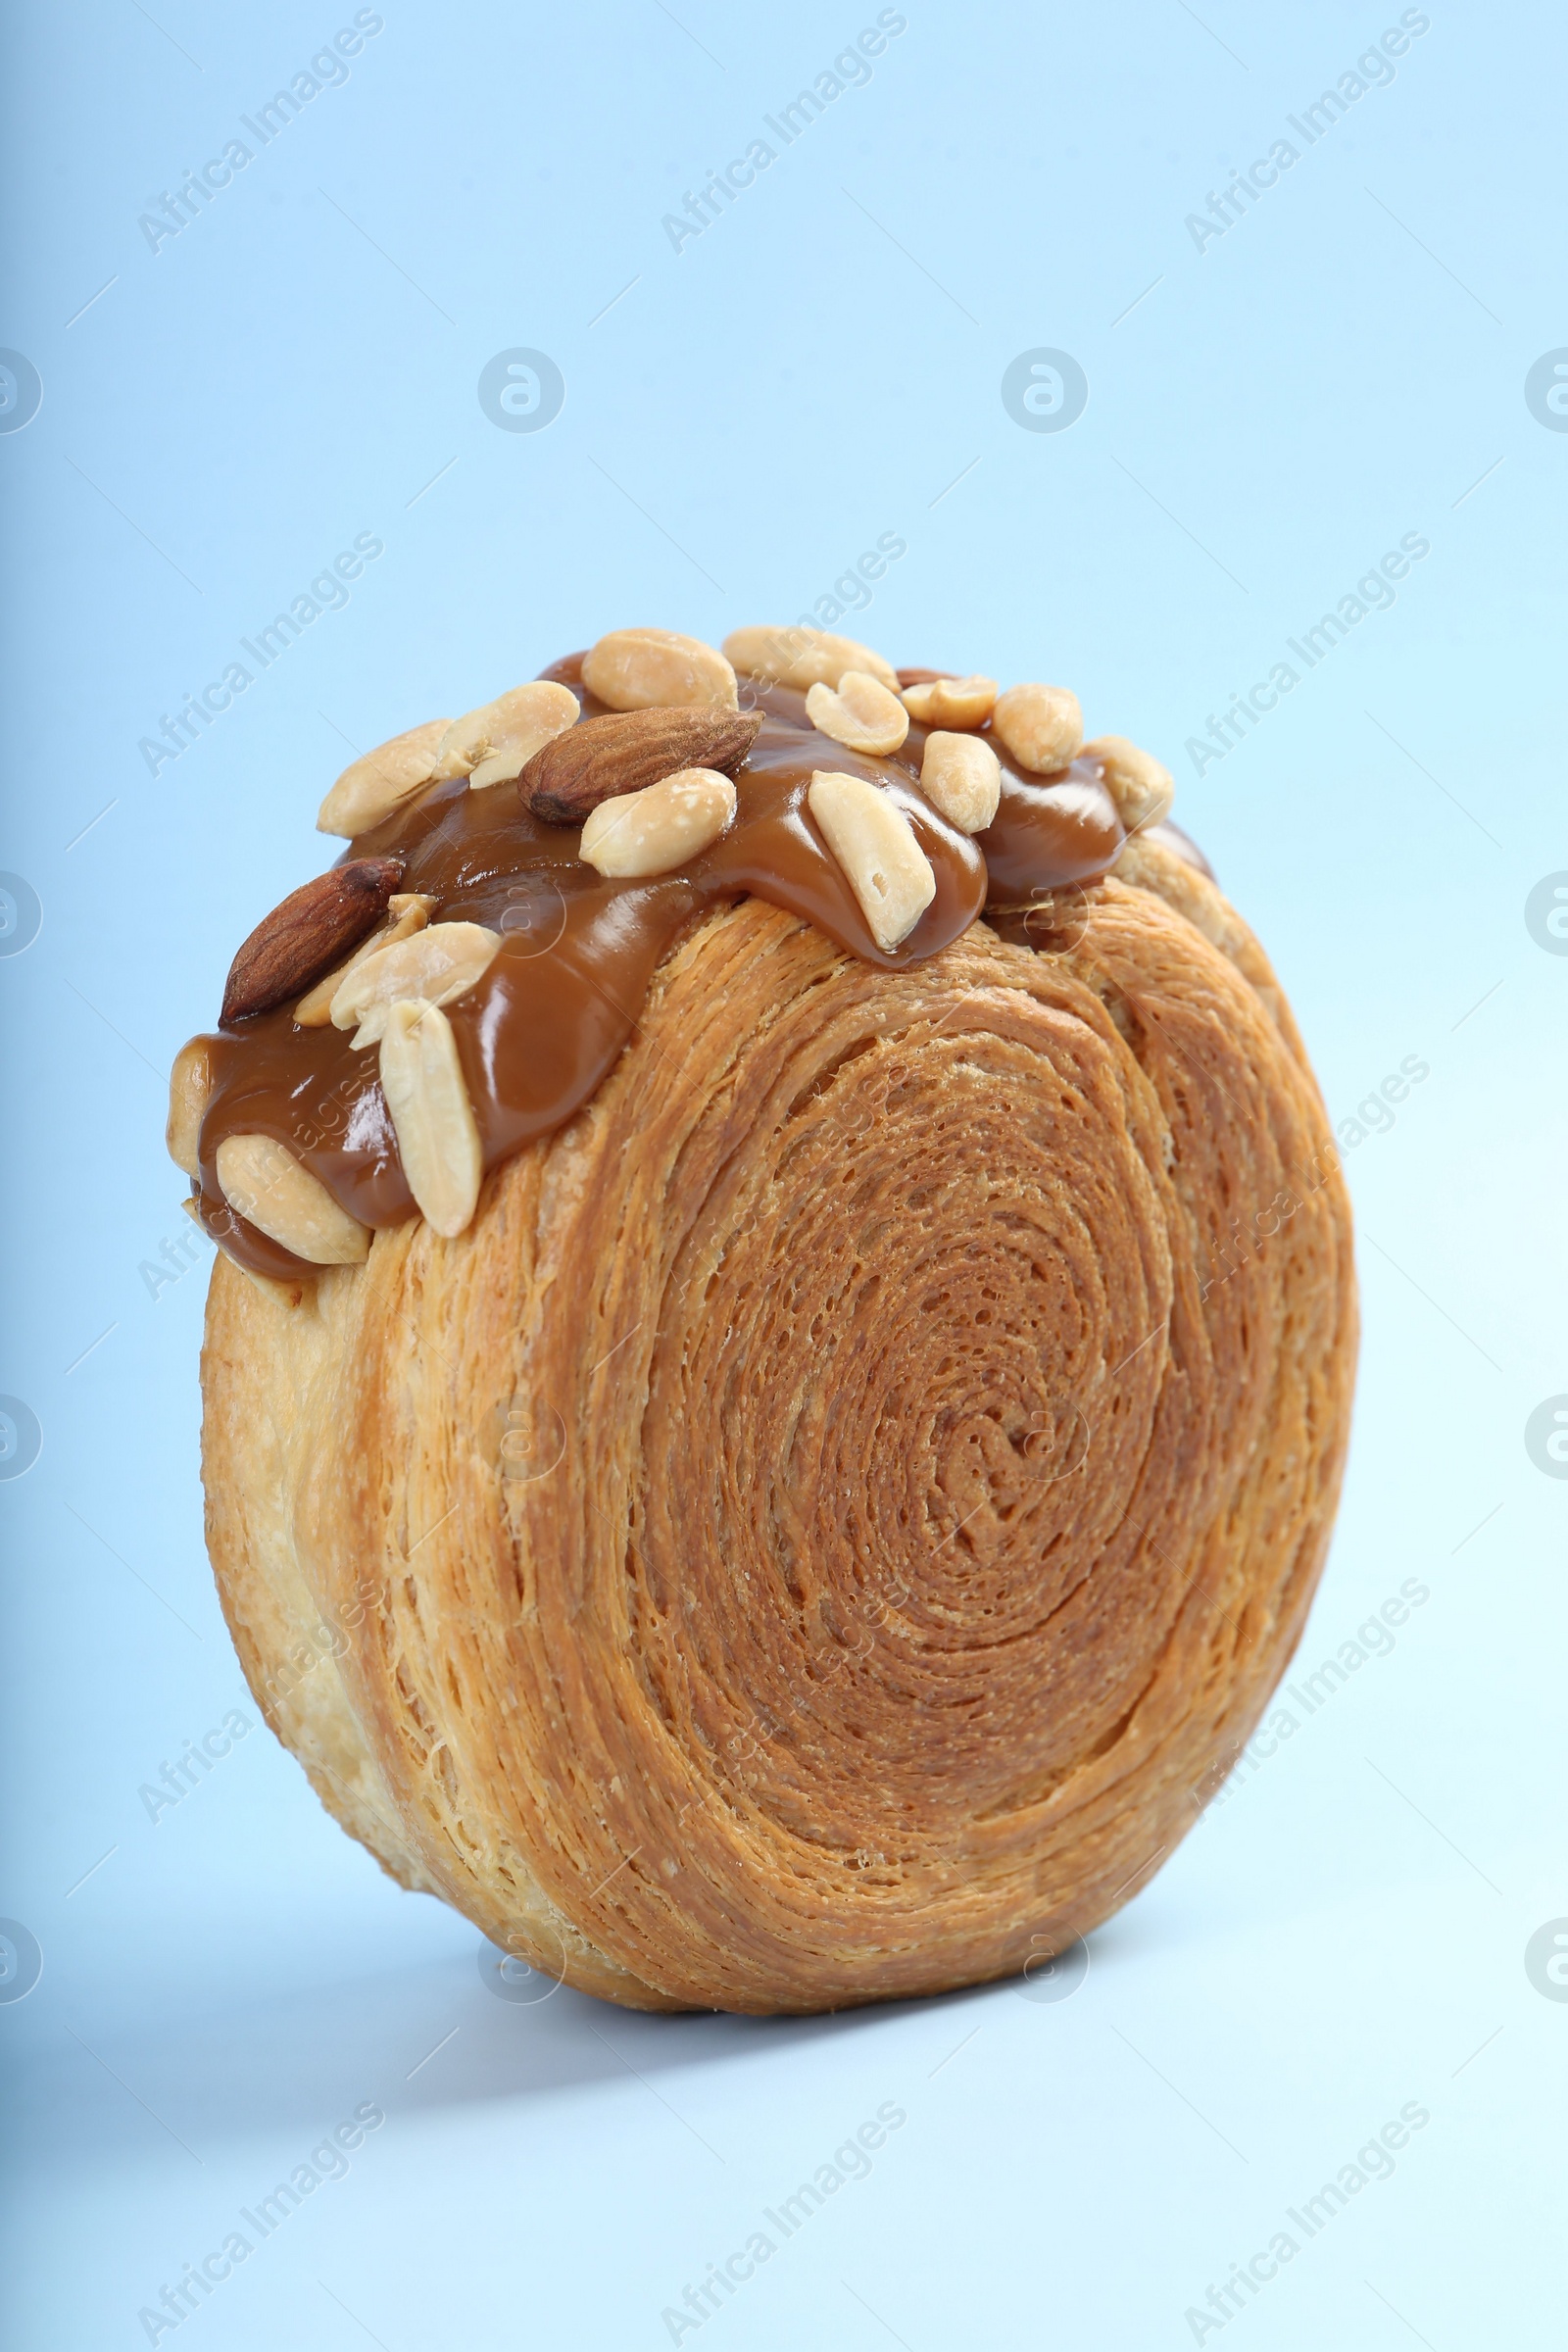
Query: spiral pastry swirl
<point>815,1534</point>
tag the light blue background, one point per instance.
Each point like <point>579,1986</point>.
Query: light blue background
<point>1346,1932</point>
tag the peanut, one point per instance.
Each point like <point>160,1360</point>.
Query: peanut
<point>663,826</point>
<point>795,655</point>
<point>859,713</point>
<point>408,911</point>
<point>1141,786</point>
<point>263,1180</point>
<point>190,1090</point>
<point>951,702</point>
<point>438,1139</point>
<point>369,789</point>
<point>496,742</point>
<point>1042,726</point>
<point>961,775</point>
<point>436,965</point>
<point>877,853</point>
<point>639,669</point>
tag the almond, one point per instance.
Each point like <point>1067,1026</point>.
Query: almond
<point>307,934</point>
<point>639,669</point>
<point>626,751</point>
<point>263,1181</point>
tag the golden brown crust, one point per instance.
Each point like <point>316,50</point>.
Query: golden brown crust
<point>810,1538</point>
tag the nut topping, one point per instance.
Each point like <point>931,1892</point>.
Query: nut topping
<point>1042,726</point>
<point>625,752</point>
<point>876,845</point>
<point>307,934</point>
<point>263,1181</point>
<point>369,789</point>
<point>408,911</point>
<point>795,655</point>
<point>1141,786</point>
<point>859,713</point>
<point>190,1090</point>
<point>438,1140</point>
<point>961,775</point>
<point>285,1292</point>
<point>652,831</point>
<point>951,702</point>
<point>496,742</point>
<point>636,669</point>
<point>437,965</point>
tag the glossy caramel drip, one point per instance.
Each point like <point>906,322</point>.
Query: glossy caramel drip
<point>554,1011</point>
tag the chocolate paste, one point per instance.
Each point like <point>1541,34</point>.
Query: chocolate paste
<point>556,1005</point>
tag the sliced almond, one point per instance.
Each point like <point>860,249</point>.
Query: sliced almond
<point>438,1137</point>
<point>961,775</point>
<point>651,832</point>
<point>795,655</point>
<point>951,702</point>
<point>859,713</point>
<point>876,845</point>
<point>408,911</point>
<point>436,965</point>
<point>1142,787</point>
<point>1042,726</point>
<point>496,742</point>
<point>263,1180</point>
<point>190,1090</point>
<point>636,669</point>
<point>369,789</point>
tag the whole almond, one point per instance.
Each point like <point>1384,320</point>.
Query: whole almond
<point>302,937</point>
<point>626,751</point>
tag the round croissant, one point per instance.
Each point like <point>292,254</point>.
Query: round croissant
<point>811,1536</point>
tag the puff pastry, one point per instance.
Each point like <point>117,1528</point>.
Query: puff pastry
<point>812,1535</point>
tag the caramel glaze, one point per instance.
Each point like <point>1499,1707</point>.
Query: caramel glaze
<point>556,1008</point>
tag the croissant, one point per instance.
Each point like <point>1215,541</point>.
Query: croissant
<point>778,1368</point>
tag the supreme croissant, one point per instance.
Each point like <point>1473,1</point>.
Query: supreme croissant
<point>780,1358</point>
